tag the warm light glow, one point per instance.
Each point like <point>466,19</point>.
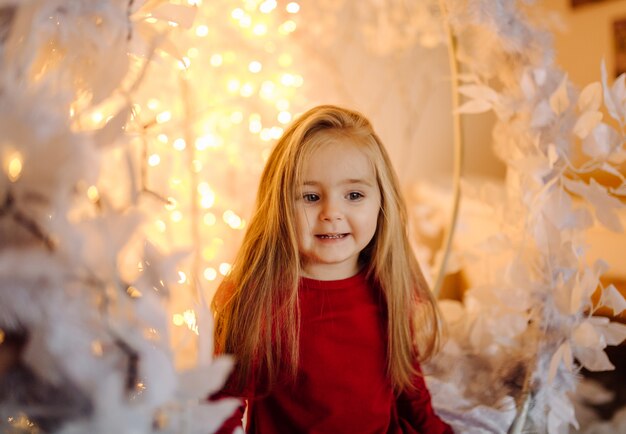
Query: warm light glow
<point>97,117</point>
<point>162,138</point>
<point>287,27</point>
<point>293,8</point>
<point>233,85</point>
<point>179,144</point>
<point>285,60</point>
<point>133,292</point>
<point>224,268</point>
<point>14,166</point>
<point>202,31</point>
<point>182,277</point>
<point>92,194</point>
<point>247,90</point>
<point>268,6</point>
<point>238,13</point>
<point>193,52</point>
<point>217,60</point>
<point>197,166</point>
<point>153,104</point>
<point>163,117</point>
<point>232,219</point>
<point>236,117</point>
<point>176,216</point>
<point>266,134</point>
<point>259,29</point>
<point>178,319</point>
<point>189,317</point>
<point>210,273</point>
<point>154,160</point>
<point>161,226</point>
<point>255,66</point>
<point>287,79</point>
<point>284,117</point>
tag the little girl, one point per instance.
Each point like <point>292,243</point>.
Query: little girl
<point>325,308</point>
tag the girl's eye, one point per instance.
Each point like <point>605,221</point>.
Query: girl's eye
<point>355,195</point>
<point>310,197</point>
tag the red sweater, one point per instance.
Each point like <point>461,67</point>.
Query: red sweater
<point>342,385</point>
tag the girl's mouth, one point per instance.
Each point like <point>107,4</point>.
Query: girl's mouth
<point>331,236</point>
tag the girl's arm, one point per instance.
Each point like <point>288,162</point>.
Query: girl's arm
<point>415,408</point>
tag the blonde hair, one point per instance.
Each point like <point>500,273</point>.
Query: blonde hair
<point>256,307</point>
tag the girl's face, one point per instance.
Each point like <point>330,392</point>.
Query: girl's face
<point>336,210</point>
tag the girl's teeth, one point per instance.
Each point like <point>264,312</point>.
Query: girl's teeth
<point>332,237</point>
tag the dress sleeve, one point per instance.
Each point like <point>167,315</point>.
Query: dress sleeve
<point>415,409</point>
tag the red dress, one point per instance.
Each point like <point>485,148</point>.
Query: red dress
<point>342,385</point>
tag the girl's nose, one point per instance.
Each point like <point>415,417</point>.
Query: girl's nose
<point>331,211</point>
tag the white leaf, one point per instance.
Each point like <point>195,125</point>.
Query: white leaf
<point>475,106</point>
<point>556,359</point>
<point>585,335</point>
<point>208,418</point>
<point>613,299</point>
<point>203,381</point>
<point>615,333</point>
<point>542,115</point>
<point>476,91</point>
<point>586,123</point>
<point>590,98</point>
<point>604,204</point>
<point>561,414</point>
<point>553,155</point>
<point>593,359</point>
<point>182,15</point>
<point>611,104</point>
<point>559,101</point>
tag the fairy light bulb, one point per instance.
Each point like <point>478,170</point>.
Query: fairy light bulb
<point>259,29</point>
<point>224,268</point>
<point>154,160</point>
<point>92,194</point>
<point>255,66</point>
<point>14,166</point>
<point>163,117</point>
<point>179,144</point>
<point>292,8</point>
<point>182,277</point>
<point>209,219</point>
<point>210,273</point>
<point>237,13</point>
<point>216,60</point>
<point>202,31</point>
<point>284,117</point>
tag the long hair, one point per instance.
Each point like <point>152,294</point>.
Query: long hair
<point>256,307</point>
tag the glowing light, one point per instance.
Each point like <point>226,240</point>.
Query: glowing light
<point>224,268</point>
<point>92,194</point>
<point>162,138</point>
<point>96,348</point>
<point>268,6</point>
<point>255,66</point>
<point>206,141</point>
<point>236,117</point>
<point>266,134</point>
<point>184,63</point>
<point>182,277</point>
<point>154,160</point>
<point>288,79</point>
<point>267,89</point>
<point>176,216</point>
<point>276,132</point>
<point>238,13</point>
<point>284,117</point>
<point>232,219</point>
<point>247,90</point>
<point>202,31</point>
<point>178,319</point>
<point>298,80</point>
<point>14,166</point>
<point>233,85</point>
<point>217,60</point>
<point>245,21</point>
<point>255,126</point>
<point>197,166</point>
<point>179,144</point>
<point>97,117</point>
<point>207,201</point>
<point>161,226</point>
<point>259,29</point>
<point>153,104</point>
<point>163,117</point>
<point>189,316</point>
<point>209,219</point>
<point>293,8</point>
<point>133,292</point>
<point>287,27</point>
<point>210,273</point>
